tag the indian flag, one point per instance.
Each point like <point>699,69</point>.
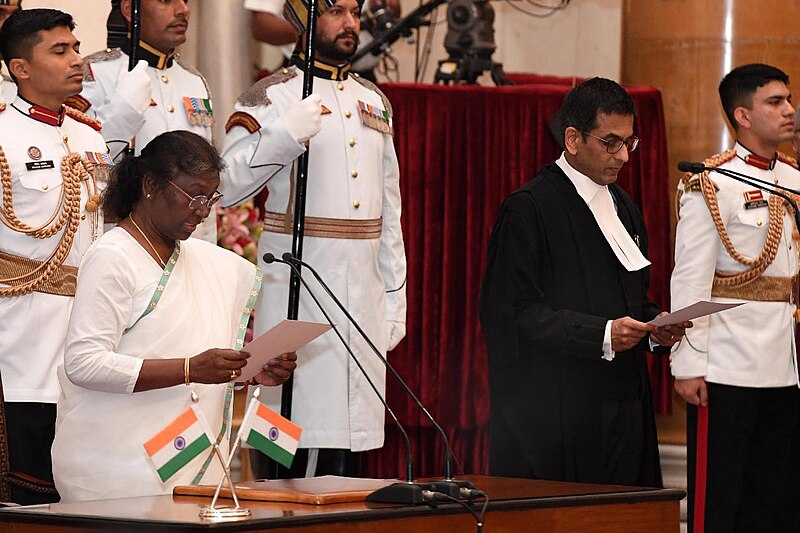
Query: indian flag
<point>267,431</point>
<point>182,440</point>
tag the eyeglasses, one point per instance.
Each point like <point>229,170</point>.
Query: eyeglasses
<point>615,145</point>
<point>201,200</point>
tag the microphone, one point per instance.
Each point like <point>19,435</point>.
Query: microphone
<point>408,492</point>
<point>693,168</point>
<point>772,188</point>
<point>449,485</point>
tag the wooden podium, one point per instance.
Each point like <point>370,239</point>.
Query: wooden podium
<point>517,505</point>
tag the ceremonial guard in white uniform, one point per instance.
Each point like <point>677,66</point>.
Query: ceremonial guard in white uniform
<point>162,93</point>
<point>736,243</point>
<point>53,163</point>
<point>723,222</point>
<point>54,159</point>
<point>352,233</point>
<point>8,89</point>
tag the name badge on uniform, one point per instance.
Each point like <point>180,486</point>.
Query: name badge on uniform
<point>754,199</point>
<point>40,165</point>
<point>375,118</point>
<point>199,111</point>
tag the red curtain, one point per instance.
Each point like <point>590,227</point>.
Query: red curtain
<point>462,150</point>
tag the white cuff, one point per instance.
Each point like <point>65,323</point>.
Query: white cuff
<point>653,343</point>
<point>608,353</point>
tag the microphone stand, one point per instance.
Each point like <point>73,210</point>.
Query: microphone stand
<point>408,492</point>
<point>454,488</point>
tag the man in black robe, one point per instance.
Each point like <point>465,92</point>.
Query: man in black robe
<point>564,309</point>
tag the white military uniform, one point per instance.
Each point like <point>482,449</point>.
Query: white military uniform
<point>8,89</point>
<point>180,101</point>
<point>353,178</point>
<point>33,326</point>
<point>752,345</point>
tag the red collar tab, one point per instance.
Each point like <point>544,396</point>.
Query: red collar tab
<point>761,162</point>
<point>42,114</point>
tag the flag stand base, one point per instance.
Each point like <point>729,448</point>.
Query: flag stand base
<point>224,513</point>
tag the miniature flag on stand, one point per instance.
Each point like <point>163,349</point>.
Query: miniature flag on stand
<point>267,431</point>
<point>182,440</point>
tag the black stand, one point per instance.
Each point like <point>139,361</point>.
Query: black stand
<point>402,493</point>
<point>468,70</point>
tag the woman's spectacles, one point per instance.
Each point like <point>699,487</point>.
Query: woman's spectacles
<point>201,200</point>
<point>615,145</point>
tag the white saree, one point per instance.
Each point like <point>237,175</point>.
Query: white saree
<point>126,310</point>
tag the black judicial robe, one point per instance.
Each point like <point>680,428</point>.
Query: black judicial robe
<point>551,284</point>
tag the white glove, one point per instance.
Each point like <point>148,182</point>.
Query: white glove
<point>303,119</point>
<point>397,331</point>
<point>134,87</point>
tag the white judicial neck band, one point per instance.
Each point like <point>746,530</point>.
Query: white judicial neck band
<point>601,204</point>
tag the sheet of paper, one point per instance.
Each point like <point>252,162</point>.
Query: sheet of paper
<point>696,310</point>
<point>287,336</point>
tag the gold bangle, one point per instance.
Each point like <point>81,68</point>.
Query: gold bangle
<point>186,370</point>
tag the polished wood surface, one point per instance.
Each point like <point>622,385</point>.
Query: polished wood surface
<point>516,505</point>
<point>322,490</point>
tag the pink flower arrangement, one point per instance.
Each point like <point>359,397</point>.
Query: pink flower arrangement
<point>238,229</point>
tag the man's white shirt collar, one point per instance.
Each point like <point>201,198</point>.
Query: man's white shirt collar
<point>600,202</point>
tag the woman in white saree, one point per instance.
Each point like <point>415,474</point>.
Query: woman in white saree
<point>157,316</point>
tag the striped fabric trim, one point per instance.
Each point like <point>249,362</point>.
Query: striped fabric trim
<point>248,309</point>
<point>244,120</point>
<point>700,471</point>
<point>15,270</point>
<point>331,228</point>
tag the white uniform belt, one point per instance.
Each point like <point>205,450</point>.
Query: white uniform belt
<point>331,228</point>
<point>761,289</point>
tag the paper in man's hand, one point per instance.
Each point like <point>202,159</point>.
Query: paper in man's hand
<point>696,310</point>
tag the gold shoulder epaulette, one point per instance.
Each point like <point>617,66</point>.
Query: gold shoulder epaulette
<point>717,160</point>
<point>372,87</point>
<point>691,183</point>
<point>789,160</point>
<point>83,118</point>
<point>2,106</point>
<point>78,102</point>
<point>98,57</point>
<point>257,93</point>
